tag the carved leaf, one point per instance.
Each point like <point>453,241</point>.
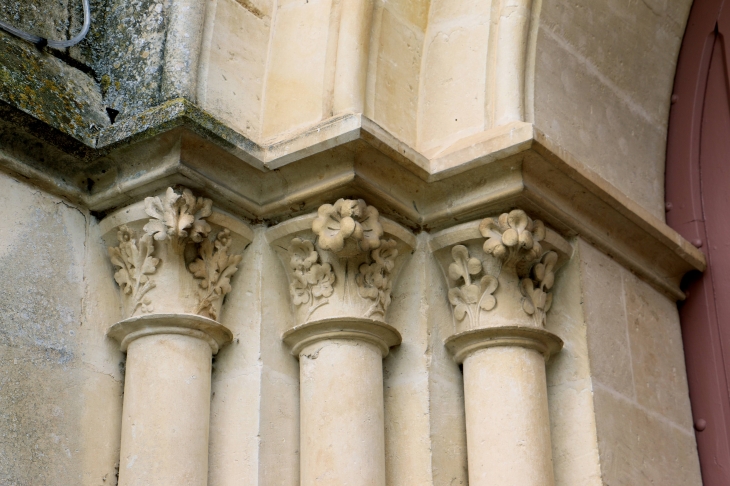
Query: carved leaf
<point>374,280</point>
<point>179,216</point>
<point>214,268</point>
<point>321,278</point>
<point>299,288</point>
<point>135,263</point>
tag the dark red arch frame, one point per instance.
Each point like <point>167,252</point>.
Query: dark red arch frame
<point>703,332</point>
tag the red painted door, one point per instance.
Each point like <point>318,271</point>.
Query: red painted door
<point>698,206</point>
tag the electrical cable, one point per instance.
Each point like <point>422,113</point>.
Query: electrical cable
<point>40,41</point>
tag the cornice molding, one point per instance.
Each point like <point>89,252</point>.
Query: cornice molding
<point>512,166</point>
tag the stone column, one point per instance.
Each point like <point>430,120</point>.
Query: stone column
<point>174,262</point>
<point>341,270</point>
<point>500,274</point>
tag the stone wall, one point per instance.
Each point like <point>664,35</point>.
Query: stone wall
<point>640,394</point>
<point>604,73</point>
<point>60,379</point>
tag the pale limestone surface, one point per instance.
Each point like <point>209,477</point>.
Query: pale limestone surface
<point>643,417</point>
<point>602,429</point>
<point>570,391</point>
<point>60,379</point>
<point>604,72</point>
<point>166,394</point>
<point>437,113</point>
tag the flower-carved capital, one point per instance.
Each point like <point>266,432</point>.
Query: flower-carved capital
<point>342,261</point>
<point>174,254</point>
<point>500,271</point>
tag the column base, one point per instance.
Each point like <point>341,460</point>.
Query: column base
<point>463,344</point>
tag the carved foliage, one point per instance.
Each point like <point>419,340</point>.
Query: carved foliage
<point>179,219</point>
<point>214,268</point>
<point>347,227</point>
<point>474,293</point>
<point>536,288</point>
<point>135,264</point>
<point>312,282</point>
<point>514,239</point>
<point>178,216</point>
<point>374,281</point>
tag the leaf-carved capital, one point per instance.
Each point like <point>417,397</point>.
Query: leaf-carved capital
<point>500,271</point>
<point>184,260</point>
<point>342,261</point>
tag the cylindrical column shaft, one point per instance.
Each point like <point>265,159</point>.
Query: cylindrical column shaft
<point>507,421</point>
<point>342,425</point>
<point>166,412</point>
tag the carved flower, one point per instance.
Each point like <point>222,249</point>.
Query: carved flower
<point>302,254</point>
<point>511,232</point>
<point>345,219</point>
<point>176,215</point>
<point>321,278</point>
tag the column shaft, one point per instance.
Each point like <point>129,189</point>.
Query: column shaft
<point>507,420</point>
<point>342,425</point>
<point>166,412</point>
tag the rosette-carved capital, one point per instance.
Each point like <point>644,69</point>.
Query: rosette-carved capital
<point>500,271</point>
<point>341,261</point>
<point>174,254</point>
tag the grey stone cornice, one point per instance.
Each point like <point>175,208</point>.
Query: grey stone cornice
<point>350,156</point>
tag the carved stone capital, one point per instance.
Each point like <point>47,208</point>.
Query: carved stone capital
<point>500,272</point>
<point>342,261</point>
<point>174,254</point>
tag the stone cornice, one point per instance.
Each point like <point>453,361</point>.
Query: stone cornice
<point>513,166</point>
